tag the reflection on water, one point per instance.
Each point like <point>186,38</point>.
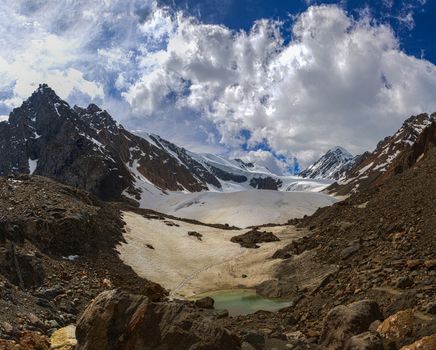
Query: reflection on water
<point>243,301</point>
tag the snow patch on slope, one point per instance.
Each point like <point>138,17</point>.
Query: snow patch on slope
<point>245,208</point>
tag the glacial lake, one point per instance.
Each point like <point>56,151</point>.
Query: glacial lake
<point>243,301</point>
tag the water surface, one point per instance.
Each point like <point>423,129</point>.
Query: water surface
<point>243,301</point>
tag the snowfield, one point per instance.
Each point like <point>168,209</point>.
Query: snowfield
<point>188,266</point>
<point>243,209</point>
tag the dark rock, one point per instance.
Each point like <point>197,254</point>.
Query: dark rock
<point>343,322</point>
<point>349,251</point>
<point>254,338</point>
<point>49,293</point>
<point>404,282</point>
<point>117,320</point>
<point>195,234</point>
<point>251,238</point>
<point>265,183</point>
<point>205,303</point>
<point>365,341</point>
<point>431,308</point>
<point>291,321</point>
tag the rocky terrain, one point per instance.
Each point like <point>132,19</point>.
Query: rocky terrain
<point>251,238</point>
<point>379,244</point>
<point>56,254</point>
<point>392,156</point>
<point>364,277</point>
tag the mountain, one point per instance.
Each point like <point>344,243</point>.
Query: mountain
<point>217,172</point>
<point>393,155</point>
<point>330,166</point>
<point>87,149</point>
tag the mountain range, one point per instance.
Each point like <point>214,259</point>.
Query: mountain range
<point>86,148</point>
<point>75,249</point>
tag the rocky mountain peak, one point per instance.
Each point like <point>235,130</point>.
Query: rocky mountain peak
<point>392,155</point>
<point>340,152</point>
<point>44,95</point>
<point>96,118</point>
<point>329,165</point>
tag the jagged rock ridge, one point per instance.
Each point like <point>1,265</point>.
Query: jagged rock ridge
<point>330,166</point>
<point>86,148</point>
<point>393,155</point>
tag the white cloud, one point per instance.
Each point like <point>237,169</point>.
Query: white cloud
<point>267,160</point>
<point>339,81</point>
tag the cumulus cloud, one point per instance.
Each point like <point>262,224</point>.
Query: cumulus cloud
<point>339,80</point>
<point>67,44</point>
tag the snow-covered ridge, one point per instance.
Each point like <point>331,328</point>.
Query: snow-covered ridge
<point>222,174</point>
<point>330,165</point>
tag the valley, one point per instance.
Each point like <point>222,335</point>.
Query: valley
<point>119,241</point>
<point>187,265</point>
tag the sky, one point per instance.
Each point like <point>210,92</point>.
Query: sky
<point>268,81</point>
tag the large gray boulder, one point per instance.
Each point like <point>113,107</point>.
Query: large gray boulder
<point>116,320</point>
<point>345,321</point>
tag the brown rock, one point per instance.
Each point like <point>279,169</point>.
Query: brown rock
<point>430,264</point>
<point>426,343</point>
<point>405,327</point>
<point>365,341</point>
<point>397,326</point>
<point>413,264</point>
<point>251,238</point>
<point>205,303</point>
<point>116,320</point>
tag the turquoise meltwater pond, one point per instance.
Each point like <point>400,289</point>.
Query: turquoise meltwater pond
<point>243,301</point>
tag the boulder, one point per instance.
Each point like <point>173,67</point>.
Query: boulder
<point>116,320</point>
<point>405,327</point>
<point>205,303</point>
<point>343,322</point>
<point>365,341</point>
<point>426,343</point>
<point>404,282</point>
<point>350,250</point>
<point>254,236</point>
<point>64,338</point>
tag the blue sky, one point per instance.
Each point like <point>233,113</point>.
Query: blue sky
<point>269,81</point>
<point>412,20</point>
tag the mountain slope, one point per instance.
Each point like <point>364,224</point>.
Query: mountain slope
<point>86,148</point>
<point>330,166</point>
<point>379,237</point>
<point>392,155</point>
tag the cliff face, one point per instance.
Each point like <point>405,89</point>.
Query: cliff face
<point>85,148</point>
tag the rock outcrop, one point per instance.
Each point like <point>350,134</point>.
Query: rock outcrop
<point>344,322</point>
<point>119,321</point>
<point>251,238</point>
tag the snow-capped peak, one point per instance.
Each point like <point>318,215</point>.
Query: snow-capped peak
<point>329,165</point>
